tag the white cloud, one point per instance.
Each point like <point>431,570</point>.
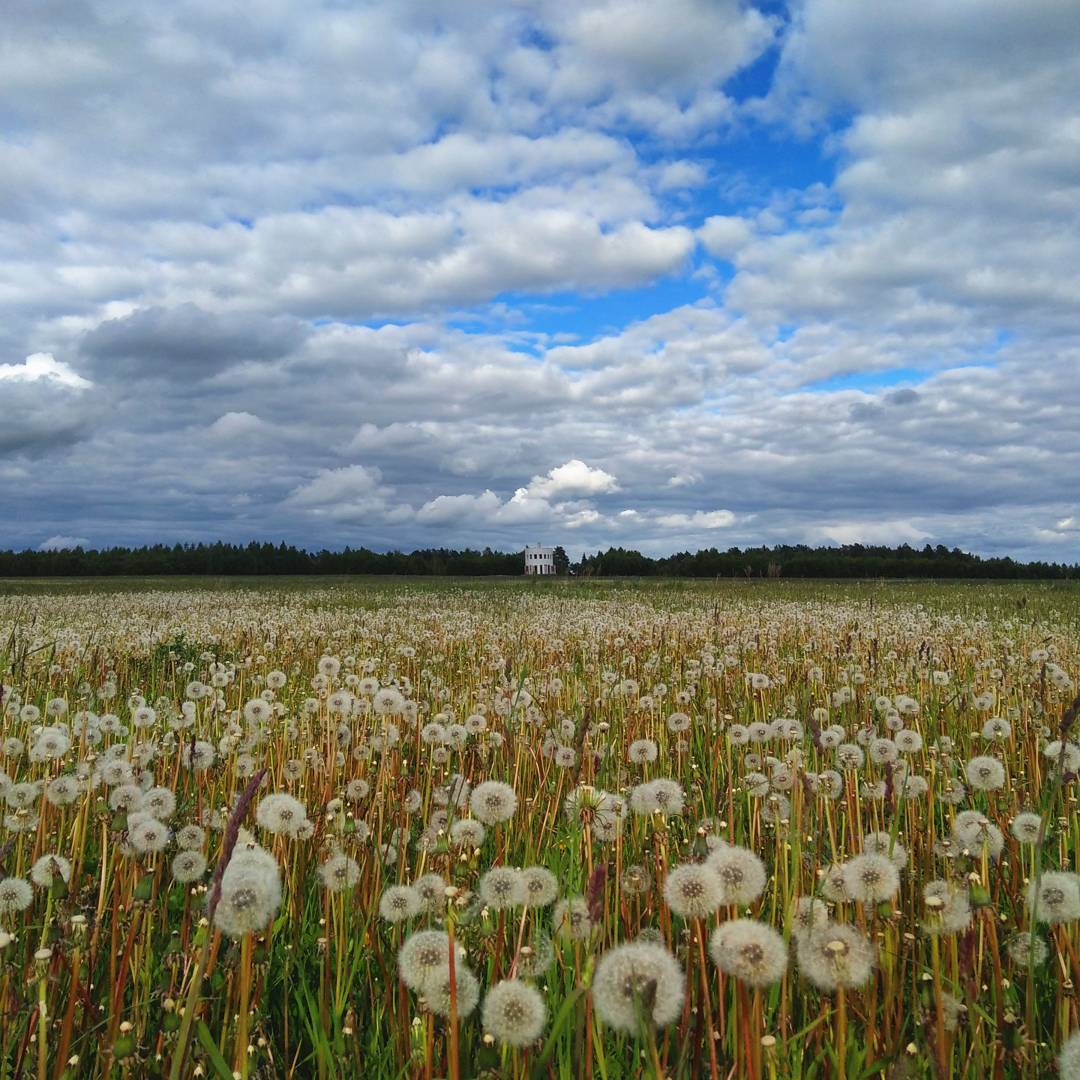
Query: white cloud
<point>725,236</point>
<point>700,519</point>
<point>236,425</point>
<point>451,509</point>
<point>890,533</point>
<point>572,478</point>
<point>62,543</point>
<point>43,366</point>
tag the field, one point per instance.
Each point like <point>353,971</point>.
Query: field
<point>600,829</point>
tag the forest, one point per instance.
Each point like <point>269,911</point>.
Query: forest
<point>796,561</point>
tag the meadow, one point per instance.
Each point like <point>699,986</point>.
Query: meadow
<point>368,828</point>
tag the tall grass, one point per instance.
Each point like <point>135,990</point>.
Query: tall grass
<point>122,971</point>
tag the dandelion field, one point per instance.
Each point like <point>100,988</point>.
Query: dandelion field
<point>538,829</point>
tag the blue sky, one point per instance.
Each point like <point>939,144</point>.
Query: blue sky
<point>611,272</point>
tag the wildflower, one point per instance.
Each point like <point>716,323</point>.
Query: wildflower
<point>973,831</point>
<point>850,756</point>
<point>329,667</point>
<point>996,729</point>
<point>51,743</point>
<point>125,797</point>
<point>467,832</point>
<point>570,918</point>
<point>807,915</point>
<point>188,866</point>
<point>883,843</point>
<point>339,872</point>
<point>776,808</point>
<point>191,837</point>
<point>281,814</point>
<point>664,796</point>
<point>1069,1057</point>
<point>948,906</point>
<point>493,802</point>
<point>952,1011</point>
<point>637,979</point>
<point>539,886</point>
<point>1068,754</point>
<point>431,888</point>
<point>908,741</point>
<point>435,991</point>
<point>1026,950</point>
<point>750,951</point>
<point>741,874</point>
<point>883,751</point>
<point>1026,826</point>
<point>250,892</point>
<point>502,887</point>
<point>399,902</point>
<point>158,802</point>
<point>834,884</point>
<point>641,751</point>
<point>62,791</point>
<point>49,869</point>
<point>1057,899</point>
<point>834,956</point>
<point>985,773</point>
<point>199,757</point>
<point>565,757</point>
<point>693,891</point>
<point>514,1013</point>
<point>24,795</point>
<point>636,881</point>
<point>423,954</point>
<point>356,790</point>
<point>870,878</point>
<point>15,895</point>
<point>678,721</point>
<point>534,959</point>
<point>756,784</point>
<point>147,835</point>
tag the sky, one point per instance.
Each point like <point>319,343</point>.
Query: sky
<point>664,275</point>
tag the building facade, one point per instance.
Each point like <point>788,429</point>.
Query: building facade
<point>540,560</point>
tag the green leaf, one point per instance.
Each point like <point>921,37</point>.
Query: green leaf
<point>212,1052</point>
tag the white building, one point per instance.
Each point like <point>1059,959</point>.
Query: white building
<point>540,560</point>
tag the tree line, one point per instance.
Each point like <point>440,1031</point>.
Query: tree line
<point>795,561</point>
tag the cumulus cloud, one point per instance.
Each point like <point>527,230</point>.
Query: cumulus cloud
<point>724,236</point>
<point>43,366</point>
<point>451,509</point>
<point>186,342</point>
<point>569,276</point>
<point>573,478</point>
<point>700,519</point>
<point>62,543</point>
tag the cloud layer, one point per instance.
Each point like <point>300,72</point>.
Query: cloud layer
<point>664,276</point>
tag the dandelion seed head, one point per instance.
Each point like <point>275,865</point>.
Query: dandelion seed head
<point>835,956</point>
<point>741,874</point>
<point>871,878</point>
<point>514,1013</point>
<point>493,802</point>
<point>693,891</point>
<point>637,978</point>
<point>750,951</point>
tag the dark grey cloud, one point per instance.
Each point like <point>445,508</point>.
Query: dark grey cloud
<point>186,342</point>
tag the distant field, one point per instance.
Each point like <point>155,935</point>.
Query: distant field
<point>680,828</point>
